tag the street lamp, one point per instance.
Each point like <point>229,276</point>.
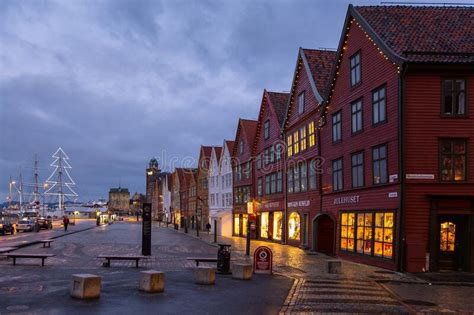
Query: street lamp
<point>45,186</point>
<point>250,210</point>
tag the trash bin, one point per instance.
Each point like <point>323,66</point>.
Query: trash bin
<point>223,258</point>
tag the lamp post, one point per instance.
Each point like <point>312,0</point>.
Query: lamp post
<point>45,186</point>
<point>250,209</point>
<point>10,186</point>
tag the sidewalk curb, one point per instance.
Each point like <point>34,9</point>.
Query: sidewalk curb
<point>457,284</point>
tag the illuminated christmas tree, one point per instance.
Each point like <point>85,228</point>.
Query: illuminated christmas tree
<point>60,182</point>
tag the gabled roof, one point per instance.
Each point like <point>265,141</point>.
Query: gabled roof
<point>218,153</point>
<point>279,101</point>
<point>230,145</point>
<point>181,172</point>
<point>248,128</point>
<point>319,65</point>
<point>428,34</point>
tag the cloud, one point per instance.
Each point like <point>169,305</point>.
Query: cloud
<point>117,82</point>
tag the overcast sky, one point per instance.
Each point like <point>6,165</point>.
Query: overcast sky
<point>115,83</point>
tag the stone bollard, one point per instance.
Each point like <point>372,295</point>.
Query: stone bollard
<point>334,266</point>
<point>85,286</point>
<point>152,281</point>
<point>242,271</point>
<point>204,275</point>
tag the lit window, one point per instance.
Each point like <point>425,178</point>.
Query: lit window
<point>453,157</point>
<point>355,69</point>
<point>296,147</point>
<point>347,231</point>
<point>294,226</point>
<point>277,225</point>
<point>289,145</point>
<point>312,141</point>
<point>447,237</point>
<point>364,233</point>
<point>301,103</point>
<point>236,224</point>
<point>303,138</point>
<point>264,225</point>
<point>383,238</point>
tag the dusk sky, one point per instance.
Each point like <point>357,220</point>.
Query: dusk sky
<point>115,83</point>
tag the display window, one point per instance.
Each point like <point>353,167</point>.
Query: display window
<point>264,224</point>
<point>245,219</point>
<point>277,225</point>
<point>294,226</point>
<point>447,236</point>
<point>236,224</point>
<point>347,231</point>
<point>372,232</point>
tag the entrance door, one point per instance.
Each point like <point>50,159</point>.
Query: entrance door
<point>452,242</point>
<point>324,230</point>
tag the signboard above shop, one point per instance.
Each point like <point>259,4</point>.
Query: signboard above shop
<point>301,203</point>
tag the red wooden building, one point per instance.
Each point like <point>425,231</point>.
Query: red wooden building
<point>269,152</point>
<point>243,170</point>
<point>398,136</point>
<point>313,69</point>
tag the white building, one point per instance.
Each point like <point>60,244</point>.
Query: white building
<point>220,189</point>
<point>167,197</point>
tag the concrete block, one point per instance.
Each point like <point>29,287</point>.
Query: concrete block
<point>85,286</point>
<point>152,281</point>
<point>242,271</point>
<point>204,275</point>
<point>334,266</point>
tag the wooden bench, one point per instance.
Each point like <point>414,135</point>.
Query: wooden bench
<point>15,256</point>
<point>7,249</point>
<point>46,242</point>
<point>202,259</point>
<point>119,257</point>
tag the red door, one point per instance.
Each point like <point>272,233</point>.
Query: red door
<point>325,235</point>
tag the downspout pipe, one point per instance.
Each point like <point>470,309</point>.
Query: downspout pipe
<point>401,168</point>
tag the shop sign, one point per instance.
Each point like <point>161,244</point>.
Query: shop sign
<point>393,194</point>
<point>301,203</point>
<point>274,204</point>
<point>420,176</point>
<point>393,178</point>
<point>263,260</point>
<point>346,199</point>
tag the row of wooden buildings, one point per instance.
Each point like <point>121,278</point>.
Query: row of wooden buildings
<point>368,157</point>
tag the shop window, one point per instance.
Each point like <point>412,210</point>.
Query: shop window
<point>447,237</point>
<point>266,129</point>
<point>277,225</point>
<point>379,167</point>
<point>236,224</point>
<point>289,145</point>
<point>264,225</point>
<point>311,136</point>
<point>347,231</point>
<point>453,157</point>
<point>355,69</point>
<point>378,106</point>
<point>383,239</point>
<point>364,233</point>
<point>294,226</point>
<point>296,147</point>
<point>454,97</point>
<point>245,219</point>
<point>303,138</point>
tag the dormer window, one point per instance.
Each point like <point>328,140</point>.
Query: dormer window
<point>241,147</point>
<point>301,103</point>
<point>355,69</point>
<point>266,130</point>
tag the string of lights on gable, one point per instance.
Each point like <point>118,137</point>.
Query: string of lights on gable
<point>344,48</point>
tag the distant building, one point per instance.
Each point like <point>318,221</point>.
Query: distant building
<point>119,200</point>
<point>136,203</point>
<point>155,179</point>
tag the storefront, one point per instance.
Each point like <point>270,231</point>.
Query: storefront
<point>271,226</point>
<point>298,223</point>
<point>240,224</point>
